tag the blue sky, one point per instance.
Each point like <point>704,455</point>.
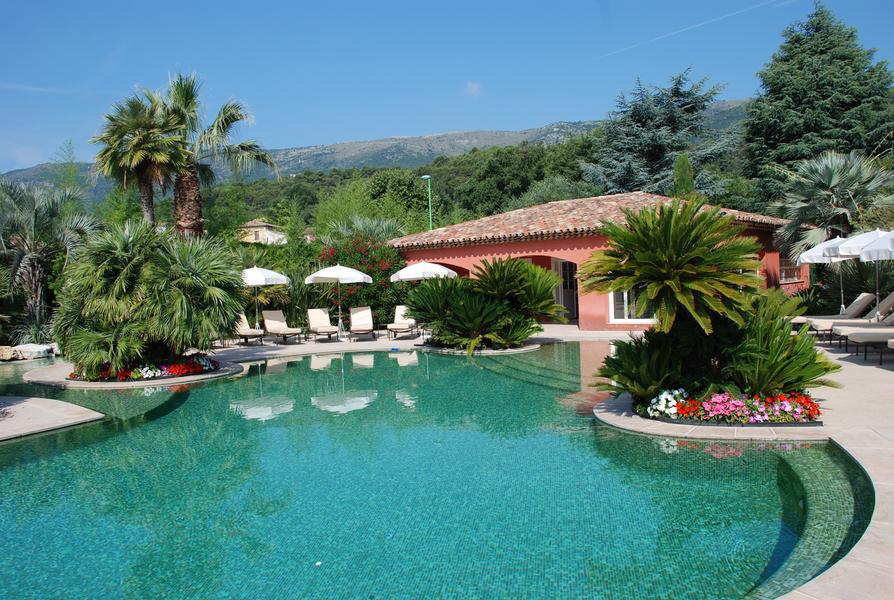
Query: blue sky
<point>318,73</point>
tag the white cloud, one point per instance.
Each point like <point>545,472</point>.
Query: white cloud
<point>473,88</point>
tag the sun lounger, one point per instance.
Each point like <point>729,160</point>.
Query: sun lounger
<point>362,321</point>
<point>402,323</point>
<point>275,324</point>
<point>852,311</point>
<point>843,331</point>
<point>318,323</point>
<point>877,339</point>
<point>245,331</point>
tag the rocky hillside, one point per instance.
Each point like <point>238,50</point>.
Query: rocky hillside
<point>392,152</point>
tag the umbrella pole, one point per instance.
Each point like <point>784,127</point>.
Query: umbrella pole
<point>257,322</point>
<point>340,327</point>
<point>841,289</point>
<point>878,316</point>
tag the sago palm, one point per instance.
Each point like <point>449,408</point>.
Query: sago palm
<point>142,146</point>
<point>829,192</point>
<point>35,228</point>
<point>684,258</point>
<point>206,146</point>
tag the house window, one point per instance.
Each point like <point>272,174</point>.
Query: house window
<point>623,308</point>
<point>788,270</point>
<point>257,235</point>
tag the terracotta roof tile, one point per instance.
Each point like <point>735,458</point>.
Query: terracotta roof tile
<point>560,219</point>
<point>257,223</point>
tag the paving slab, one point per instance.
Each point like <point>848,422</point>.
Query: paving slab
<point>21,416</point>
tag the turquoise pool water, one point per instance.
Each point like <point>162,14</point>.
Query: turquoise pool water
<point>408,476</point>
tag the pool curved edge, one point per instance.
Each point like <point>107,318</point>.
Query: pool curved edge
<point>865,570</point>
<point>56,375</point>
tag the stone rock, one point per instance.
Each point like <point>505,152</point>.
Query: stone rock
<point>30,351</point>
<point>6,353</point>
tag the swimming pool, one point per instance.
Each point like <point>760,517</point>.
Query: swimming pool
<point>380,475</point>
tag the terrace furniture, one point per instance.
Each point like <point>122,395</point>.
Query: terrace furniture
<point>362,321</point>
<point>245,331</point>
<point>878,339</point>
<point>318,323</point>
<point>275,324</point>
<point>843,331</point>
<point>402,323</point>
<point>853,310</point>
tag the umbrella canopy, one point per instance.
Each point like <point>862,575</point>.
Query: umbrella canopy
<point>423,270</point>
<point>258,277</point>
<point>881,249</point>
<point>338,274</point>
<point>817,255</point>
<point>853,246</point>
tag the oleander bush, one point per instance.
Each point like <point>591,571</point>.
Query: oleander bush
<point>134,295</point>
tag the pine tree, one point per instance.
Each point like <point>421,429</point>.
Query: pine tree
<point>821,91</point>
<point>646,132</point>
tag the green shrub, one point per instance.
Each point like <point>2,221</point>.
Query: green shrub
<point>771,359</point>
<point>134,294</point>
<point>498,309</point>
<point>642,367</point>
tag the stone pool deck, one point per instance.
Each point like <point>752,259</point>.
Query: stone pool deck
<point>859,418</point>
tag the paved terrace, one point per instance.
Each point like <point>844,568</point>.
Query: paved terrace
<point>858,417</point>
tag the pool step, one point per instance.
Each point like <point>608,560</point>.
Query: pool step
<point>829,528</point>
<point>530,375</point>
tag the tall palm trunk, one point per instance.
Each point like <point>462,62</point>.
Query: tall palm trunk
<point>188,203</point>
<point>147,197</point>
<point>34,282</point>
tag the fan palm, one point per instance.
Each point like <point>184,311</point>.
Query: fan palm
<point>685,258</point>
<point>204,146</point>
<point>369,228</point>
<point>142,145</point>
<point>34,229</point>
<point>830,192</point>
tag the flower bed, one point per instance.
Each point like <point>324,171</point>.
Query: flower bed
<point>179,367</point>
<point>726,408</point>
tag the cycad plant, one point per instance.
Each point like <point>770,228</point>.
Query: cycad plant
<point>684,258</point>
<point>205,146</point>
<point>35,228</point>
<point>829,193</point>
<point>142,145</point>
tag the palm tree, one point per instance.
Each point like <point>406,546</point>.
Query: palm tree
<point>685,258</point>
<point>35,228</point>
<point>204,146</point>
<point>141,144</point>
<point>371,228</point>
<point>830,192</point>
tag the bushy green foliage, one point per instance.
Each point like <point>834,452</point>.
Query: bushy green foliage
<point>378,260</point>
<point>771,359</point>
<point>643,366</point>
<point>134,293</point>
<point>821,91</point>
<point>498,309</point>
<point>684,257</point>
<point>555,187</point>
<point>648,128</point>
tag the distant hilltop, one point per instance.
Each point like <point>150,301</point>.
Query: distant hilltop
<point>394,151</point>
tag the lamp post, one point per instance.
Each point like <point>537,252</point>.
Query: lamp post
<point>428,179</point>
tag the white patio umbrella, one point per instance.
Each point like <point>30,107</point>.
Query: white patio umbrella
<point>816,255</point>
<point>852,247</point>
<point>338,275</point>
<point>882,248</point>
<point>423,270</point>
<point>257,277</point>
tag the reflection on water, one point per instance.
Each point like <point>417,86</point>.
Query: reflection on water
<point>405,475</point>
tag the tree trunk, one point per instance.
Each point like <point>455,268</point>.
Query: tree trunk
<point>147,200</point>
<point>188,203</point>
<point>35,281</point>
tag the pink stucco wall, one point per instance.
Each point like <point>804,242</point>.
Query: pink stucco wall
<point>593,309</point>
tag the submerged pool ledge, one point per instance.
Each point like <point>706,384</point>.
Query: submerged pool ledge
<point>21,416</point>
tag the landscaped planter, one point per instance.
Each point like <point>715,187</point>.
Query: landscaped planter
<point>182,367</point>
<point>725,409</point>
